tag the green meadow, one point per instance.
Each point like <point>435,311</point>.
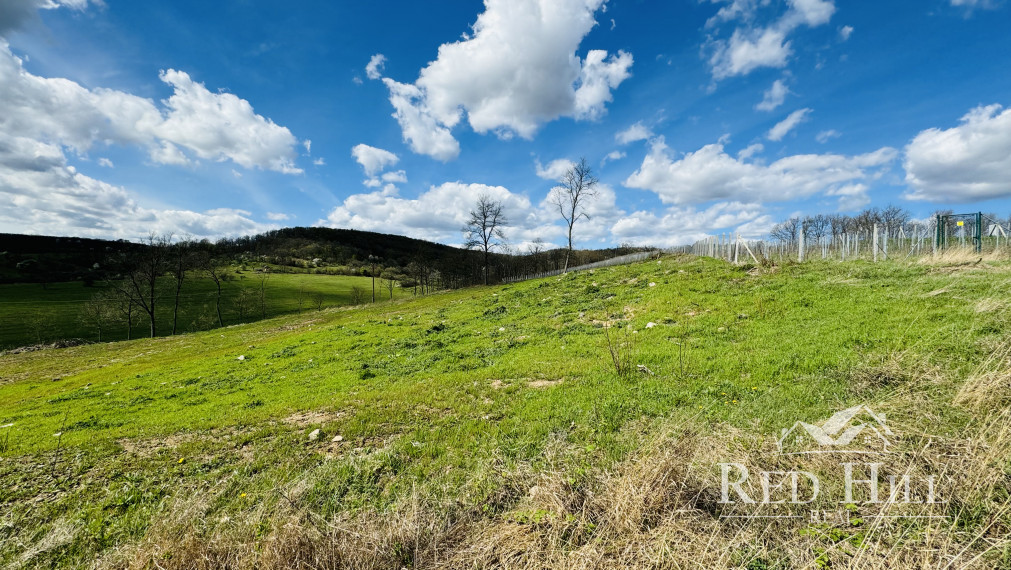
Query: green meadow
<point>33,314</point>
<point>499,426</point>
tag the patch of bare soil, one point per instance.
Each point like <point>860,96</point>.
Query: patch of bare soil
<point>311,417</point>
<point>544,383</point>
<point>297,326</point>
<point>149,447</point>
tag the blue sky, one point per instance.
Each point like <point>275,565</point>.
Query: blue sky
<point>207,119</point>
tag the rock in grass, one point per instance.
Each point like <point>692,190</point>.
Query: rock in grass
<point>337,438</point>
<point>314,435</point>
<point>241,357</point>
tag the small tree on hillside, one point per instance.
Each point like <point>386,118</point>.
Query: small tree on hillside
<point>301,295</point>
<point>578,185</point>
<point>261,294</point>
<point>484,228</point>
<point>182,260</point>
<point>317,299</point>
<point>219,274</point>
<point>144,267</point>
<point>98,311</point>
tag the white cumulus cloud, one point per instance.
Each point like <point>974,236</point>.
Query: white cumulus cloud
<point>969,162</point>
<point>41,194</point>
<point>210,126</point>
<point>751,47</point>
<point>14,13</point>
<point>554,169</point>
<point>437,214</point>
<point>517,70</point>
<point>710,174</point>
<point>421,130</point>
<point>636,132</point>
<point>373,160</point>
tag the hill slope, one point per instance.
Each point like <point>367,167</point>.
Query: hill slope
<point>489,426</point>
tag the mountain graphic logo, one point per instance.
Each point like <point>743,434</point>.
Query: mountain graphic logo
<point>853,430</point>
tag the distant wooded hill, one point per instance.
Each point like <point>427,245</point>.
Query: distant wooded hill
<point>41,259</point>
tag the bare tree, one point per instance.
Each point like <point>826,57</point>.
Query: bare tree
<point>815,227</point>
<point>219,275</point>
<point>301,296</point>
<point>244,302</point>
<point>865,220</point>
<point>144,269</point>
<point>357,295</point>
<point>389,281</point>
<point>317,298</point>
<point>837,224</point>
<point>894,218</point>
<point>182,260</point>
<point>484,228</point>
<point>786,232</point>
<point>98,312</point>
<point>261,294</point>
<point>39,324</point>
<point>536,246</point>
<point>123,304</point>
<point>578,185</point>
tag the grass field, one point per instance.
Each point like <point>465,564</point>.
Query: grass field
<point>488,427</point>
<point>33,314</point>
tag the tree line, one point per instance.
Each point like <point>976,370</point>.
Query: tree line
<point>892,222</point>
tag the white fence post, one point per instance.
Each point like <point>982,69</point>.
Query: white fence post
<point>800,249</point>
<point>874,243</point>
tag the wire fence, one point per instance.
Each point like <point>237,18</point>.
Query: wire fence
<point>968,233</point>
<point>620,260</point>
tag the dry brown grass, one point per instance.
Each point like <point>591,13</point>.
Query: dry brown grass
<point>659,509</point>
<point>955,258</point>
<point>989,386</point>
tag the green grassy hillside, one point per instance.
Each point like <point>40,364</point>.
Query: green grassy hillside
<point>33,314</point>
<point>491,427</point>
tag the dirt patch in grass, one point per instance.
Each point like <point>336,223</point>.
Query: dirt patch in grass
<point>312,417</point>
<point>150,447</point>
<point>296,326</point>
<point>544,383</point>
<point>153,446</point>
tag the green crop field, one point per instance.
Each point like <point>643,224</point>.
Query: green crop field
<point>568,422</point>
<point>33,314</point>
